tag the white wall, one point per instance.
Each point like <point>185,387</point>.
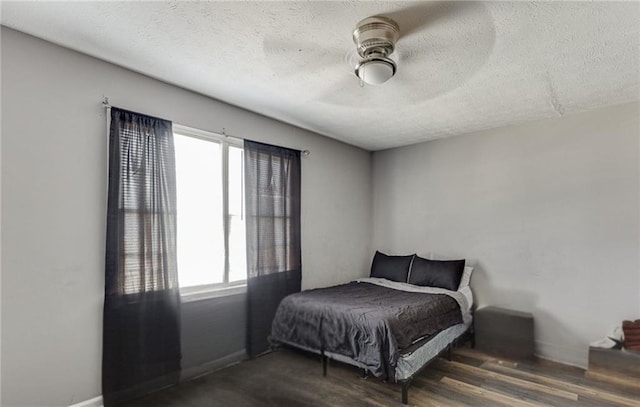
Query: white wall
<point>54,149</point>
<point>547,212</point>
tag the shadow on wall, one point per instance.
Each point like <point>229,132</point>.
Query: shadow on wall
<point>486,292</point>
<point>561,349</point>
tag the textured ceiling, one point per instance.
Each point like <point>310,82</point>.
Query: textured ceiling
<point>462,67</point>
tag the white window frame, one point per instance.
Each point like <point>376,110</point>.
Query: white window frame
<point>225,288</point>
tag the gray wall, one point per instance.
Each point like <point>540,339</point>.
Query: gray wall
<point>547,212</point>
<point>213,333</point>
<point>54,150</point>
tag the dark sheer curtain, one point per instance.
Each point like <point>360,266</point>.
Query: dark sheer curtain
<point>141,338</point>
<point>272,190</point>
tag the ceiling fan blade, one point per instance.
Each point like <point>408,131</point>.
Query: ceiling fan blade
<point>445,44</point>
<point>294,57</point>
<point>420,15</point>
<point>342,92</point>
<point>445,55</point>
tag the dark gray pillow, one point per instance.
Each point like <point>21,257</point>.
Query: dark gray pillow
<point>436,273</point>
<point>394,268</point>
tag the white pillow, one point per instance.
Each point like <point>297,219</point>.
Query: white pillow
<point>466,277</point>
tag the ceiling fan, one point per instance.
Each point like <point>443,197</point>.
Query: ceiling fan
<point>376,39</point>
<point>423,46</point>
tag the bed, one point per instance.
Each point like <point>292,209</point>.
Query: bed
<point>385,325</point>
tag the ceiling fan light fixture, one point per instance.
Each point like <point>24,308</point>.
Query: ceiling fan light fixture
<point>375,70</point>
<point>375,38</point>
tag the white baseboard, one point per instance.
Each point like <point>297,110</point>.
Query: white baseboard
<point>94,402</point>
<point>572,356</point>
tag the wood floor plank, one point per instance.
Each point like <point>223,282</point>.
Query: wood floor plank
<point>578,389</point>
<point>579,376</point>
<point>473,354</point>
<point>436,389</point>
<point>421,397</point>
<point>485,394</point>
<point>631,383</point>
<point>531,396</point>
<point>456,366</point>
<point>458,357</point>
<point>460,375</point>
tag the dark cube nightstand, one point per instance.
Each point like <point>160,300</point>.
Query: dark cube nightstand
<point>505,332</point>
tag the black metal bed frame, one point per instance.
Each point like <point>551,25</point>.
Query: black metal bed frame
<point>468,334</point>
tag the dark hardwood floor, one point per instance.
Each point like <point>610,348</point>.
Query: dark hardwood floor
<point>292,378</point>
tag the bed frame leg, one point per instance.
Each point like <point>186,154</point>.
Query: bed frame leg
<point>405,392</point>
<point>274,347</point>
<point>449,352</point>
<point>364,373</point>
<point>324,365</point>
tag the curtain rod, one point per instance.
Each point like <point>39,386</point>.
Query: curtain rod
<point>107,105</point>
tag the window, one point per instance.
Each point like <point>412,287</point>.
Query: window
<point>210,211</point>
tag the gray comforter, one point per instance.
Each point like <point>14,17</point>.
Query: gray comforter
<point>366,322</point>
